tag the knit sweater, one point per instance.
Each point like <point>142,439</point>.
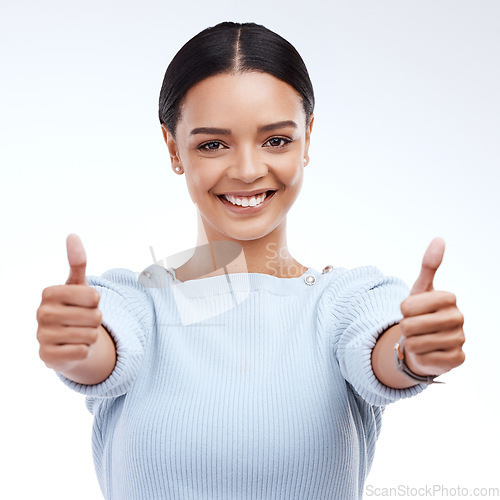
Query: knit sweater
<point>241,386</point>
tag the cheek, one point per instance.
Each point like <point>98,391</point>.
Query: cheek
<point>199,180</point>
<point>298,174</point>
<point>296,181</point>
<point>290,172</point>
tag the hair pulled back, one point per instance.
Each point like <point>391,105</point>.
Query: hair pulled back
<point>230,48</point>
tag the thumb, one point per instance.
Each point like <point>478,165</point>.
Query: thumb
<point>430,263</point>
<point>77,261</point>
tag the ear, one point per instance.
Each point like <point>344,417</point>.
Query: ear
<point>308,139</point>
<point>172,147</point>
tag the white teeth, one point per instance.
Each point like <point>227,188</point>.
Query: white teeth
<point>245,201</point>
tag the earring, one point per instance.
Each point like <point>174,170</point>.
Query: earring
<point>177,169</point>
<point>305,161</point>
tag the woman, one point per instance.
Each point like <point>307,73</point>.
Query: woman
<point>242,373</point>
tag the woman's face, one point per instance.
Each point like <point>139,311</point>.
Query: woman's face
<point>241,133</point>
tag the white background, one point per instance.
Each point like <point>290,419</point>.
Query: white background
<point>405,147</point>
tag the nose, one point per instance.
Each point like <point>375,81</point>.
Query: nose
<point>247,166</point>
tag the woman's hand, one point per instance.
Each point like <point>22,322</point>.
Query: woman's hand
<point>432,326</point>
<point>72,339</point>
<point>432,323</point>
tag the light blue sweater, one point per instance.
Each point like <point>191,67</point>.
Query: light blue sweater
<point>241,386</point>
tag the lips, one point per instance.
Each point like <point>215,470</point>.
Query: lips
<point>247,210</point>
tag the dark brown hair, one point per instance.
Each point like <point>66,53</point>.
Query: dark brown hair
<point>232,47</point>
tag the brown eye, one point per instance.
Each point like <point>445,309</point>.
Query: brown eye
<point>211,146</point>
<point>278,142</point>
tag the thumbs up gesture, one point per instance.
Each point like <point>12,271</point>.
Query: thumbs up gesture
<point>69,320</point>
<point>432,323</point>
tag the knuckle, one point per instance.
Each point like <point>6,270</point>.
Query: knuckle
<point>453,339</point>
<point>49,315</point>
<point>447,322</point>
<point>462,357</point>
<point>403,326</point>
<point>408,305</point>
<point>44,355</point>
<point>458,357</point>
<point>44,336</point>
<point>458,317</point>
<point>81,351</point>
<point>40,335</point>
<point>98,316</point>
<point>453,319</point>
<point>407,326</point>
<point>461,338</point>
<point>47,293</point>
<point>404,307</point>
<point>43,315</point>
<point>450,298</point>
<point>93,296</point>
<point>39,314</point>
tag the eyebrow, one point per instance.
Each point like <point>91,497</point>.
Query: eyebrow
<point>226,131</point>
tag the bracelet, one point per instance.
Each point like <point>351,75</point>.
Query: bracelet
<point>399,356</point>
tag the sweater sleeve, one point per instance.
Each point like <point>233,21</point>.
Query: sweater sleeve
<point>128,315</point>
<point>363,304</point>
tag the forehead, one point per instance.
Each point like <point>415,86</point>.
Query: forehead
<point>250,97</point>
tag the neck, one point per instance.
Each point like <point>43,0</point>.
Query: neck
<point>217,254</point>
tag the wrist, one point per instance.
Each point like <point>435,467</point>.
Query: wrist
<point>402,366</point>
<point>383,364</point>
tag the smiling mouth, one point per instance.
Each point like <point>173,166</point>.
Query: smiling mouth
<point>261,199</point>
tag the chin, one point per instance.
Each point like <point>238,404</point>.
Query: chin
<point>246,231</point>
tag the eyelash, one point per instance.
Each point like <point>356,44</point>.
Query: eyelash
<point>202,147</point>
